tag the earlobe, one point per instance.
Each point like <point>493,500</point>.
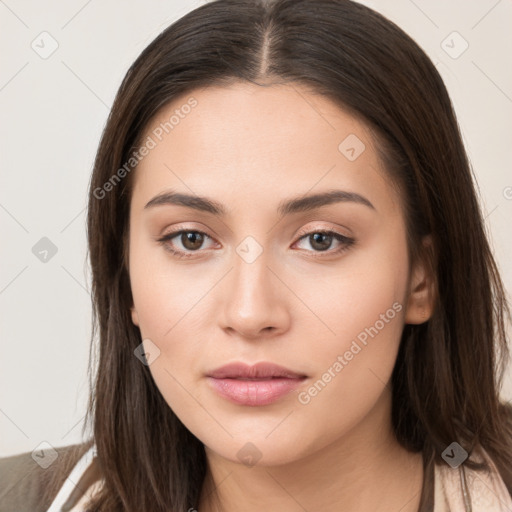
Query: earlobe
<point>135,316</point>
<point>420,303</point>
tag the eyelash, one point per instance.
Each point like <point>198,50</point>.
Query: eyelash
<point>346,242</point>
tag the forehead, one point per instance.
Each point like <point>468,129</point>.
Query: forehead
<point>257,143</point>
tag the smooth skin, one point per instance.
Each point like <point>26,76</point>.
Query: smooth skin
<point>250,148</point>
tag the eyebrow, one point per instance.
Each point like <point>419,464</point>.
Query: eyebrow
<point>287,207</point>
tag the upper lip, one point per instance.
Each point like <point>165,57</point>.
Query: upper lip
<point>257,371</point>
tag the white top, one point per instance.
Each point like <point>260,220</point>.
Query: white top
<point>71,481</point>
<point>452,486</point>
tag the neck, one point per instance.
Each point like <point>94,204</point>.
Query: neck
<point>366,469</point>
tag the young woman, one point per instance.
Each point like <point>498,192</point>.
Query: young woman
<point>296,302</point>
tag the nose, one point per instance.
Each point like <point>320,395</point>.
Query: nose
<point>255,300</point>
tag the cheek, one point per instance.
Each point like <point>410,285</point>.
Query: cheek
<point>163,291</point>
<point>169,299</point>
<point>171,305</point>
<point>361,299</point>
<point>166,305</point>
<point>364,308</point>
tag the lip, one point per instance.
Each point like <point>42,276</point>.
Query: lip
<point>256,385</point>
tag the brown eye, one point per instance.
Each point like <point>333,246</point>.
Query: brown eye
<point>320,241</point>
<point>192,240</point>
<point>189,240</point>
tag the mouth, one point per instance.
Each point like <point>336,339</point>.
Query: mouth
<point>261,384</point>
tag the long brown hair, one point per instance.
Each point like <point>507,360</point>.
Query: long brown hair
<point>449,370</point>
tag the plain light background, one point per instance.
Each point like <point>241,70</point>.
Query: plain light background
<point>53,110</point>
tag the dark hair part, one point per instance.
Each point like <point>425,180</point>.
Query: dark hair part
<point>449,370</point>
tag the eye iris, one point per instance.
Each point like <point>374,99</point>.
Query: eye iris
<point>326,243</point>
<point>194,237</point>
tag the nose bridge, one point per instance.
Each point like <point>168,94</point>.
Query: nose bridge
<point>253,299</point>
<point>252,279</point>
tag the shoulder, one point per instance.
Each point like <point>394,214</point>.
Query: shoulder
<point>27,483</point>
<point>465,489</point>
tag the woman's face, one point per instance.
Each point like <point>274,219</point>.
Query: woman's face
<point>263,284</point>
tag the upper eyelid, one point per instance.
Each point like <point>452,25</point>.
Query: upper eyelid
<point>183,227</point>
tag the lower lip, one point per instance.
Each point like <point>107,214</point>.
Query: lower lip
<point>254,392</point>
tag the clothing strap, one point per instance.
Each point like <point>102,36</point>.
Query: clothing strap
<point>72,480</point>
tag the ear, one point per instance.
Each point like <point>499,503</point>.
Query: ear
<point>135,316</point>
<point>421,293</point>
